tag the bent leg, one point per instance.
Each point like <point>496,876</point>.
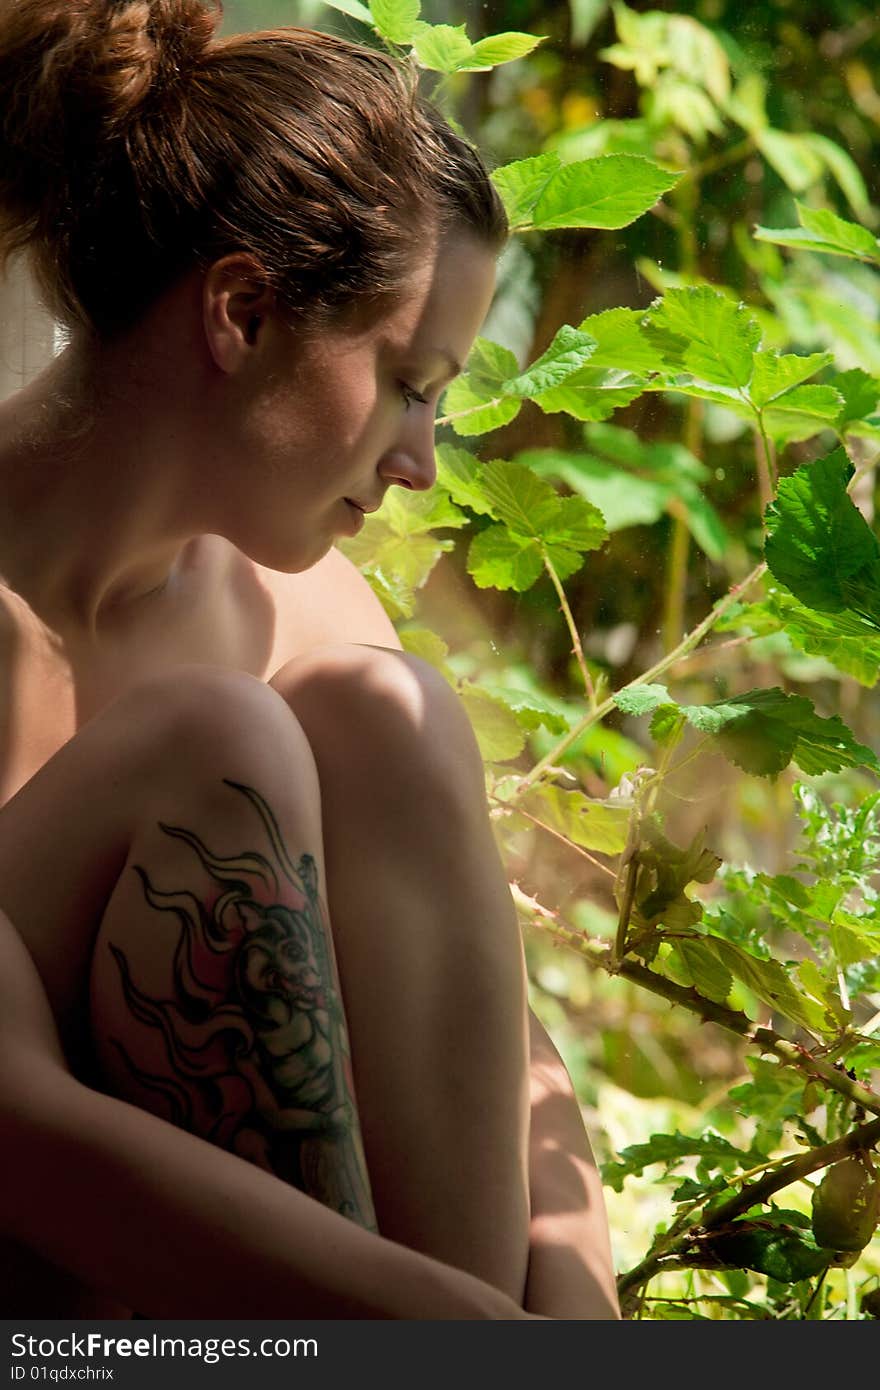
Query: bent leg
<point>429,953</point>
<point>185,820</point>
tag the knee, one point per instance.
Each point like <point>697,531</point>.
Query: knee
<point>203,718</point>
<point>384,713</point>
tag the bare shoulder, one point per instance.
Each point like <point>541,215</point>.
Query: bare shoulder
<point>324,605</point>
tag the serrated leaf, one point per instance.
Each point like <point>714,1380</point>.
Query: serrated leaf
<point>532,710</point>
<point>459,472</point>
<point>861,394</point>
<point>819,545</point>
<point>775,373</point>
<point>476,396</point>
<point>641,699</point>
<point>399,541</point>
<point>567,353</point>
<point>610,191</point>
<point>822,230</point>
<point>843,639</point>
<point>623,498</point>
<point>497,729</point>
<point>763,730</point>
<point>471,412</point>
<point>621,343</point>
<point>700,968</point>
<point>592,394</point>
<point>712,1150</point>
<point>395,19</point>
<point>596,825</point>
<point>772,984</point>
<point>782,1254</point>
<point>441,47</point>
<point>521,185</point>
<point>428,645</point>
<point>706,334</point>
<point>528,506</point>
<point>497,559</point>
<point>496,49</point>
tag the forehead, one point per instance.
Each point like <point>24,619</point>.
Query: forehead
<point>444,301</point>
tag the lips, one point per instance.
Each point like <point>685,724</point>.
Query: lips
<point>367,510</point>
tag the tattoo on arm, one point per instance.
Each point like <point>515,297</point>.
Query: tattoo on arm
<point>254,1037</point>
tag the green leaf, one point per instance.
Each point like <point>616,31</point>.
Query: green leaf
<point>398,539</point>
<point>822,230</point>
<point>698,967</point>
<point>623,498</point>
<point>819,545</point>
<point>843,639</point>
<point>499,560</point>
<point>861,394</point>
<point>610,191</point>
<point>531,709</point>
<point>706,334</point>
<point>477,395</point>
<point>641,699</point>
<point>422,642</point>
<point>712,1150</point>
<point>529,507</point>
<point>497,729</point>
<point>782,1253</point>
<point>521,185</point>
<point>566,354</point>
<point>491,52</point>
<point>771,983</point>
<point>459,472</point>
<point>621,342</point>
<point>592,393</point>
<point>353,8</point>
<point>763,730</point>
<point>395,19</point>
<point>803,412</point>
<point>794,160</point>
<point>441,47</point>
<point>596,825</point>
<point>774,373</point>
<point>843,170</point>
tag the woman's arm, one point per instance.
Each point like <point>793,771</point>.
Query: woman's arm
<point>173,1225</point>
<point>571,1272</point>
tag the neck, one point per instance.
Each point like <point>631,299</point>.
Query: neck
<point>96,473</point>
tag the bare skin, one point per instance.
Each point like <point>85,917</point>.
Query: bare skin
<point>167,570</point>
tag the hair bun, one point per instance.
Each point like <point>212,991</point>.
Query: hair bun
<point>74,73</point>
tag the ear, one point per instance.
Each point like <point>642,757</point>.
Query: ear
<point>236,303</point>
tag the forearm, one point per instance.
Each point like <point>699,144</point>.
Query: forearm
<point>107,1192</point>
<point>571,1273</point>
<point>171,1224</point>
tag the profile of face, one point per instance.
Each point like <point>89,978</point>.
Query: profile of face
<point>334,418</point>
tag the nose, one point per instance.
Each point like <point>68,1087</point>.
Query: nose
<point>410,463</point>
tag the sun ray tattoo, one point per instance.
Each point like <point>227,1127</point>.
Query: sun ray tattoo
<point>255,1037</point>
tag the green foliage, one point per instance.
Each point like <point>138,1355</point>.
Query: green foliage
<point>687,602</point>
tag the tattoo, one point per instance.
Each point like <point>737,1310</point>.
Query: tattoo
<point>255,1037</point>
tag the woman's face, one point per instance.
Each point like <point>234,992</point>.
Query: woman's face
<point>349,413</point>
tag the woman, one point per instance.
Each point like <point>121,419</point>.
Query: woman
<point>270,256</point>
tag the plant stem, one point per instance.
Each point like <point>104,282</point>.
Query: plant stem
<point>472,410</point>
<point>573,632</point>
<point>600,953</point>
<point>687,644</point>
<point>865,1137</point>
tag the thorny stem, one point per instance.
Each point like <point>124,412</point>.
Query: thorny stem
<point>756,1193</point>
<point>693,639</point>
<point>573,632</point>
<point>599,954</point>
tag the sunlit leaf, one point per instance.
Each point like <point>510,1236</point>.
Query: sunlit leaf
<point>819,545</point>
<point>596,825</point>
<point>610,191</point>
<point>521,185</point>
<point>706,334</point>
<point>441,47</point>
<point>567,353</point>
<point>395,19</point>
<point>502,48</point>
<point>776,373</point>
<point>498,731</point>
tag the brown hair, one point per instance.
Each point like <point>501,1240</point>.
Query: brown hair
<point>135,145</point>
